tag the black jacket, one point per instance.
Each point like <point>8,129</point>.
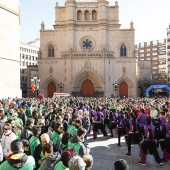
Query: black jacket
<point>26,133</point>
<point>38,149</point>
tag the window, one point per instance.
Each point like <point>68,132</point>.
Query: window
<point>87,15</point>
<point>123,50</point>
<point>154,53</point>
<point>148,49</point>
<point>50,51</point>
<point>148,54</point>
<point>94,15</point>
<point>33,58</point>
<point>79,15</point>
<point>23,63</point>
<point>22,56</point>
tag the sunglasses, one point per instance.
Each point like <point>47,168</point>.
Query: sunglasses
<point>6,129</point>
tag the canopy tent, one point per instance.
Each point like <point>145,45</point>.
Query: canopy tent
<point>157,87</point>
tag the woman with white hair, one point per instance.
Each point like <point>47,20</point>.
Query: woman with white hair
<point>76,163</point>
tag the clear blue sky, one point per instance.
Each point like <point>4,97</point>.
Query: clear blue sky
<point>150,17</point>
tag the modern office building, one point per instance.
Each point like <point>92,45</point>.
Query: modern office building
<point>168,52</point>
<point>155,51</point>
<point>28,57</point>
<point>9,48</point>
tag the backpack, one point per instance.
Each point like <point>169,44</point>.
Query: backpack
<point>149,133</point>
<point>51,167</point>
<point>26,134</point>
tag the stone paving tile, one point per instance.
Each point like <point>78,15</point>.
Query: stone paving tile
<point>106,152</point>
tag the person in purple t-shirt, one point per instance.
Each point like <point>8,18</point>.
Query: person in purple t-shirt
<point>98,123</point>
<point>142,121</point>
<point>166,134</point>
<point>121,125</point>
<point>149,143</point>
<point>133,134</point>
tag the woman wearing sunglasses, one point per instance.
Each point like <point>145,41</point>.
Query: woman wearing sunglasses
<point>7,137</point>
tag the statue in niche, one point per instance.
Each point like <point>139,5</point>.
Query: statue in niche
<point>51,70</point>
<point>124,70</point>
<point>87,64</point>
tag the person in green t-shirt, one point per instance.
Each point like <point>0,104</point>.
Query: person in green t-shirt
<point>17,121</point>
<point>71,128</point>
<point>57,134</point>
<point>34,140</point>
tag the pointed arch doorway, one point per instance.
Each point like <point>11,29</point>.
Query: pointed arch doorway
<point>87,88</point>
<point>51,89</point>
<point>123,89</point>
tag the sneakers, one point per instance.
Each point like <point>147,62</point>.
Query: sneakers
<point>128,154</point>
<point>142,163</point>
<point>160,163</point>
<point>107,137</point>
<point>118,144</point>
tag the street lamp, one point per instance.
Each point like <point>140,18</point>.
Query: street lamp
<point>35,84</point>
<point>115,87</point>
<point>61,86</point>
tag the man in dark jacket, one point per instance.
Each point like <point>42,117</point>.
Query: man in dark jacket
<point>38,154</point>
<point>22,114</point>
<point>26,132</point>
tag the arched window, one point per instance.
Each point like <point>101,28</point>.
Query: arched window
<point>123,50</point>
<point>94,15</point>
<point>79,15</point>
<point>87,15</point>
<point>50,51</point>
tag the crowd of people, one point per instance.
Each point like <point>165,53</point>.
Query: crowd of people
<point>51,133</point>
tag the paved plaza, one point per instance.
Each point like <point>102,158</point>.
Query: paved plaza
<point>106,152</point>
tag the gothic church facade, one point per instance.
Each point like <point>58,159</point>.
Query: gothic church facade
<point>87,51</point>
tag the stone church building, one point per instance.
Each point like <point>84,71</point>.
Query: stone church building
<point>87,51</point>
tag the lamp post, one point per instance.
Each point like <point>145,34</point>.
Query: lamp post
<point>61,87</point>
<point>35,81</point>
<point>115,87</point>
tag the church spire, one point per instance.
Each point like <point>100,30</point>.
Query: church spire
<point>116,3</point>
<point>131,25</point>
<point>42,25</point>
